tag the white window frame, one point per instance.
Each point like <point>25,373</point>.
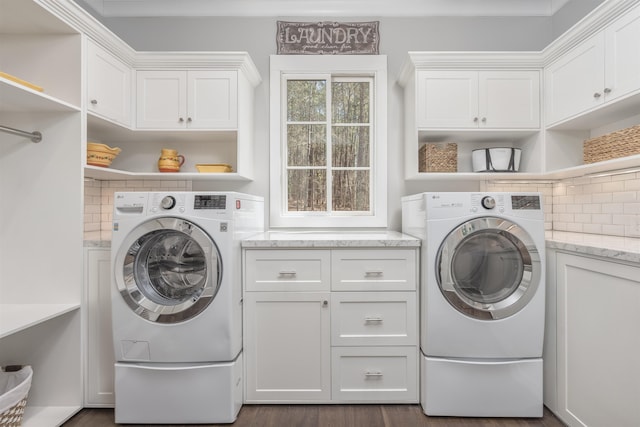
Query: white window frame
<point>313,65</point>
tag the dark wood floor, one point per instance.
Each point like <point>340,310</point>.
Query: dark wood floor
<point>336,416</point>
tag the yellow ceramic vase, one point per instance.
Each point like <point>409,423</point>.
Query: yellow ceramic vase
<point>170,160</point>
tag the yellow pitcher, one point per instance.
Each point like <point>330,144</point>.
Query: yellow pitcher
<point>170,160</point>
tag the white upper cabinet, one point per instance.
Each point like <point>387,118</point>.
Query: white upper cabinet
<point>468,99</point>
<point>108,85</point>
<point>601,69</point>
<point>187,99</point>
<point>575,82</point>
<point>622,56</point>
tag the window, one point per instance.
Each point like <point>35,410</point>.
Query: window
<point>328,141</point>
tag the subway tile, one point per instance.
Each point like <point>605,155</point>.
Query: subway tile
<point>632,208</point>
<point>613,230</point>
<point>613,186</point>
<point>632,184</point>
<point>625,196</point>
<point>583,218</point>
<point>593,208</point>
<point>592,228</point>
<point>601,198</point>
<point>602,218</point>
<point>575,227</point>
<point>613,208</point>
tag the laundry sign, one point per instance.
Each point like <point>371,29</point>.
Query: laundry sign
<point>328,38</point>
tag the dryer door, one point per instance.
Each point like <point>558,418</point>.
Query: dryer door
<point>168,270</point>
<point>488,268</point>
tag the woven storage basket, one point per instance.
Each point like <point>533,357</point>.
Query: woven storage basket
<point>622,143</point>
<point>438,157</point>
<point>15,386</point>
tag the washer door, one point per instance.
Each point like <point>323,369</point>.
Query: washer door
<point>168,270</point>
<point>488,268</point>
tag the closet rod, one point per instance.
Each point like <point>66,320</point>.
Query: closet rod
<point>34,136</point>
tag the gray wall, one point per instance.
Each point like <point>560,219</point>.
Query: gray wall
<point>398,36</point>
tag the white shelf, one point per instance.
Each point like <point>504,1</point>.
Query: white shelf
<point>476,176</point>
<point>474,135</point>
<point>16,98</point>
<point>16,317</point>
<point>47,416</point>
<point>100,173</point>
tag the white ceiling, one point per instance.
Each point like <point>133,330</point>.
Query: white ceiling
<point>329,8</point>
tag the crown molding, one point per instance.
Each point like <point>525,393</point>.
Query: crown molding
<point>327,8</point>
<point>591,24</point>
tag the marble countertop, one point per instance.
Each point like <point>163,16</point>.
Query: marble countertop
<point>326,239</point>
<point>613,247</point>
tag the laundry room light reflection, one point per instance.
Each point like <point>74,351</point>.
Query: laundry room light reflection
<point>614,172</point>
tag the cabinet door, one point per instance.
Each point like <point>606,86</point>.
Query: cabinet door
<point>509,99</point>
<point>161,98</point>
<point>598,342</point>
<point>99,371</point>
<point>447,99</point>
<point>109,85</point>
<point>287,347</point>
<point>622,60</point>
<point>212,98</point>
<point>575,82</point>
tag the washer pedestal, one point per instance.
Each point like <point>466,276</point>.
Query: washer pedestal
<point>178,393</point>
<point>481,388</point>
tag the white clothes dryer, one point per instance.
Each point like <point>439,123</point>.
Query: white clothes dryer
<point>177,304</point>
<point>482,301</point>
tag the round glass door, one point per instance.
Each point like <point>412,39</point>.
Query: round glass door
<point>488,268</point>
<point>169,270</point>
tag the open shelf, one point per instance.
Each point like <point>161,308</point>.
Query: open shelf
<point>16,98</point>
<point>110,174</point>
<point>16,317</point>
<point>38,416</point>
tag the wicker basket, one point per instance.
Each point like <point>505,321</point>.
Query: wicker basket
<point>622,143</point>
<point>15,385</point>
<point>438,157</point>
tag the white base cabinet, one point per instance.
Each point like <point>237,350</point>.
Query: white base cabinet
<point>330,325</point>
<point>598,314</point>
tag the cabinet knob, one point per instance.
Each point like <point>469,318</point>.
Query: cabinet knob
<point>94,102</point>
<point>607,90</point>
<point>180,120</point>
<point>475,120</point>
<point>189,120</point>
<point>597,95</point>
<point>325,303</point>
<point>484,120</point>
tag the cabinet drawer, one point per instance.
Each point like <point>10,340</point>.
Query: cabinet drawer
<point>374,269</point>
<point>380,318</point>
<point>374,374</point>
<point>287,270</point>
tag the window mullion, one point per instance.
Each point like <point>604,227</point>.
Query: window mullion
<point>329,190</point>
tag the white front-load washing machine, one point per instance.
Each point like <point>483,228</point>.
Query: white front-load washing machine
<point>177,304</point>
<point>482,301</point>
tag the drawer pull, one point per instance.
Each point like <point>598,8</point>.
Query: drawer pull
<point>373,319</point>
<point>373,273</point>
<point>287,273</point>
<point>373,374</point>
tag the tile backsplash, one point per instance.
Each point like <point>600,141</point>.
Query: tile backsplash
<point>608,205</point>
<point>98,202</point>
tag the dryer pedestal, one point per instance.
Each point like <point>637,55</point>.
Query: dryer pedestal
<point>178,393</point>
<point>481,388</point>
